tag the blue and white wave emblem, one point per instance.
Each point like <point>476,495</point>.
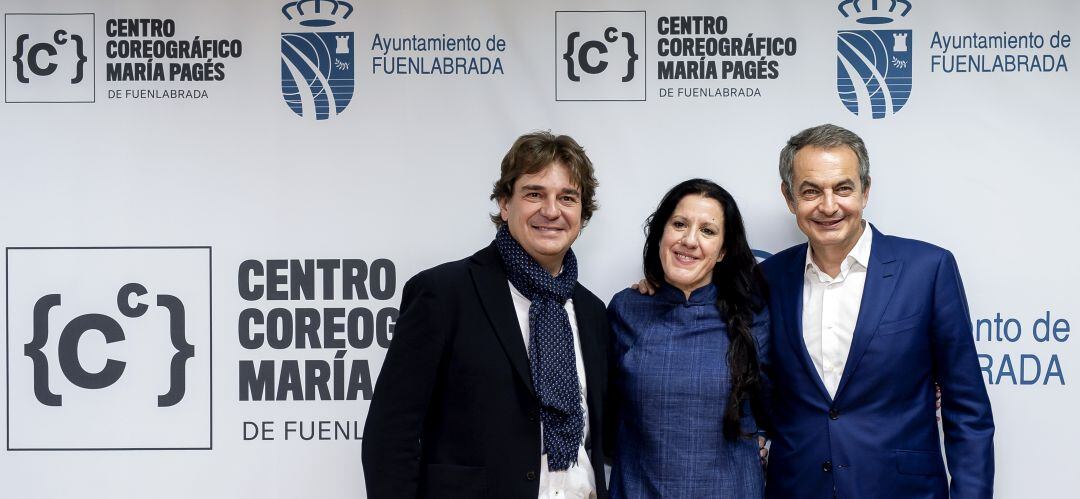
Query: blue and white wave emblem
<point>317,73</point>
<point>873,71</point>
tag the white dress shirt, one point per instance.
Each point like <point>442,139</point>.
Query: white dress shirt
<point>831,309</point>
<point>578,481</point>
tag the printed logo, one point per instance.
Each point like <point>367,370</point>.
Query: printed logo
<point>599,55</point>
<point>50,57</point>
<point>108,348</point>
<point>873,67</point>
<point>317,67</point>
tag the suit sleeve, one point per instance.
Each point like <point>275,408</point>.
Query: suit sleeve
<point>965,407</point>
<point>392,433</point>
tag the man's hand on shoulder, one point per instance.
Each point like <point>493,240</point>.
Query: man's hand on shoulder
<point>643,287</point>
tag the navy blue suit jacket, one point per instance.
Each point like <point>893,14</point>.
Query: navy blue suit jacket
<point>879,437</point>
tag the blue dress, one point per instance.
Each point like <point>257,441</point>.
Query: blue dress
<point>671,383</point>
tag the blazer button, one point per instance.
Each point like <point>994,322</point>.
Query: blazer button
<point>531,475</point>
<point>826,466</point>
<point>834,414</point>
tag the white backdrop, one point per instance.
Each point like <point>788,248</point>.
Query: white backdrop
<point>175,183</point>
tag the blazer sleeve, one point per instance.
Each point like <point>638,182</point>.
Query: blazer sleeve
<point>399,405</point>
<point>965,407</point>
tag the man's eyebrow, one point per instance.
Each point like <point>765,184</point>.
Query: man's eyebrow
<point>540,188</point>
<point>807,183</point>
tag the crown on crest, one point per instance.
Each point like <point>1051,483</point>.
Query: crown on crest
<point>317,13</point>
<point>874,11</point>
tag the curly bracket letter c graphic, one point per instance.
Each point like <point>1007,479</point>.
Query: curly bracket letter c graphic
<point>631,56</point>
<point>67,351</point>
<point>184,351</point>
<point>81,60</point>
<point>20,44</point>
<point>33,350</point>
<point>568,56</point>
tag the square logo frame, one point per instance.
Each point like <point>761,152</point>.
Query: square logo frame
<point>200,438</point>
<point>20,54</point>
<point>599,53</point>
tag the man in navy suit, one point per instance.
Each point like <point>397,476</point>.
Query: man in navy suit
<point>863,326</point>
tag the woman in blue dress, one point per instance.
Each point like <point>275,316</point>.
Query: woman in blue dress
<point>685,360</point>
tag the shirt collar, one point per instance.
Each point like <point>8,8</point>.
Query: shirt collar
<point>859,254</point>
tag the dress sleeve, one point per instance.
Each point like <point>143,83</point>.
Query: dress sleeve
<point>615,349</point>
<point>762,331</point>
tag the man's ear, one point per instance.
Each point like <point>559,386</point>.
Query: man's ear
<point>866,193</point>
<point>786,192</point>
<point>504,213</point>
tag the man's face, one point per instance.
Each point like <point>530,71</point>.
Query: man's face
<point>543,214</point>
<point>828,197</point>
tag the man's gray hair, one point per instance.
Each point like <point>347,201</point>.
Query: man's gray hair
<point>825,136</point>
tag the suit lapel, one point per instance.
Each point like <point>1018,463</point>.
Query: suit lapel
<point>881,278</point>
<point>791,296</point>
<point>494,291</point>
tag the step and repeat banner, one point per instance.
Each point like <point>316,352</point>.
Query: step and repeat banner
<point>208,209</point>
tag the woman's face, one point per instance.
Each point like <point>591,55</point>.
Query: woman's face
<point>692,243</point>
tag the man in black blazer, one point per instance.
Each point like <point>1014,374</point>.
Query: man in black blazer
<point>494,381</point>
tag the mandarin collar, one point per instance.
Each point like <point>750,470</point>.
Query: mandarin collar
<point>705,295</point>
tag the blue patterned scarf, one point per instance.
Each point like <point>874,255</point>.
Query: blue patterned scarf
<point>551,347</point>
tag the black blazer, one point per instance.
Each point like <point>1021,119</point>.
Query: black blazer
<point>454,413</point>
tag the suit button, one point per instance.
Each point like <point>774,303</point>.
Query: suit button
<point>531,475</point>
<point>834,414</point>
<point>826,466</point>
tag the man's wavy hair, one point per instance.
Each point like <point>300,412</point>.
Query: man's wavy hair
<point>533,152</point>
